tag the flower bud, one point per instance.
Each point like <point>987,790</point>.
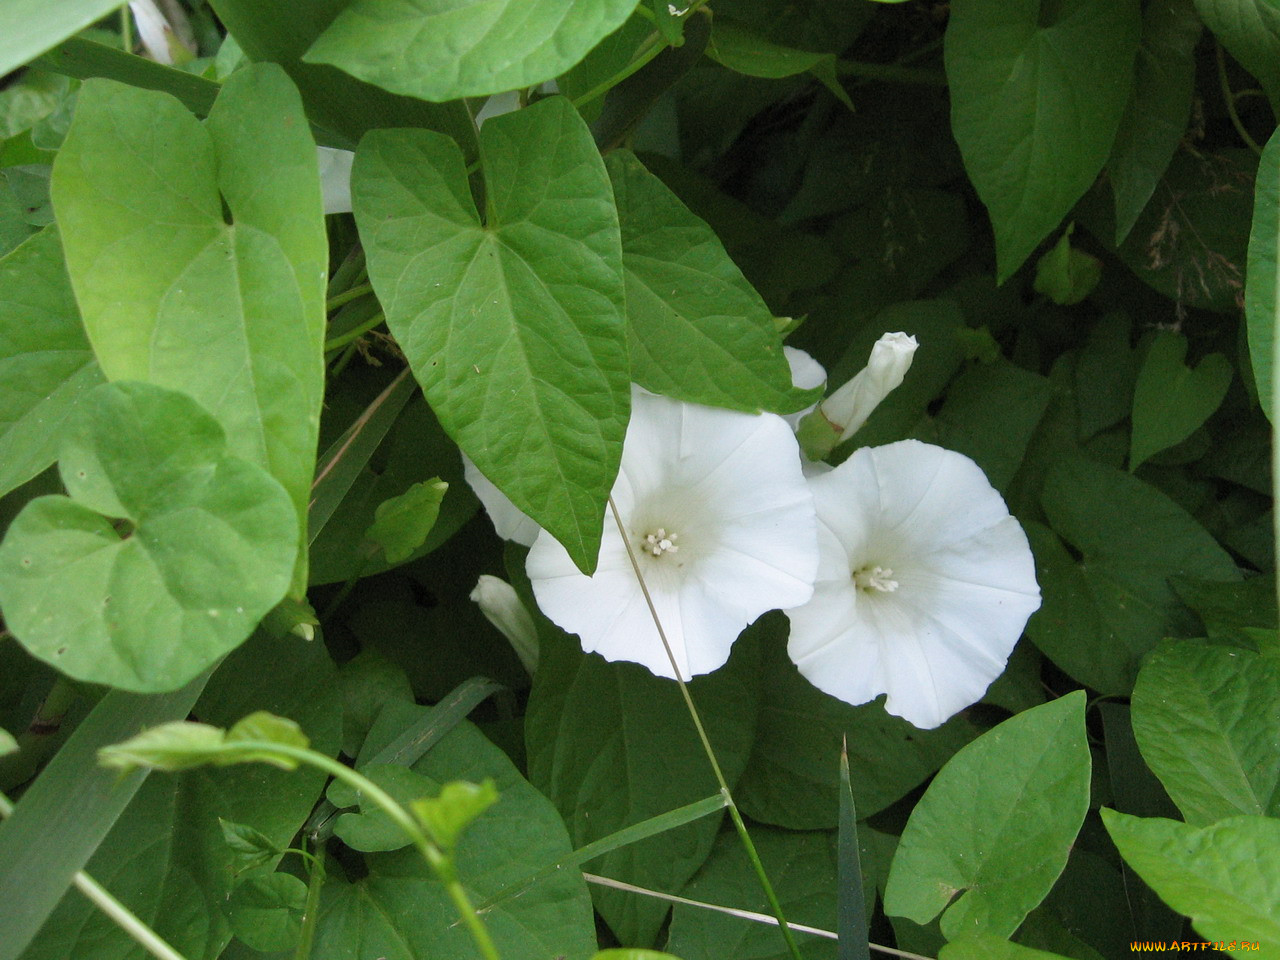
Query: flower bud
<point>501,606</point>
<point>842,413</point>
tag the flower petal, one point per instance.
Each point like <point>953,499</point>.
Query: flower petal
<point>509,521</point>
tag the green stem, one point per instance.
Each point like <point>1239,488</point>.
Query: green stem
<point>124,918</point>
<point>355,293</point>
<point>342,339</point>
<point>126,29</point>
<point>651,48</point>
<point>311,911</point>
<point>734,815</point>
<point>439,863</point>
<point>1230,99</point>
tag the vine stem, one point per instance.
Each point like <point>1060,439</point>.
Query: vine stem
<point>355,334</point>
<point>441,865</point>
<point>123,917</point>
<point>734,815</point>
<point>1230,99</point>
<point>355,293</point>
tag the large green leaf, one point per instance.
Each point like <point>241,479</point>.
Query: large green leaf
<point>45,361</point>
<point>167,857</point>
<point>400,912</point>
<point>1159,106</point>
<point>171,293</point>
<point>698,329</point>
<point>1262,280</point>
<point>31,27</point>
<point>1250,29</point>
<point>612,745</point>
<point>1208,720</point>
<point>802,869</point>
<point>514,327</point>
<point>1111,602</point>
<point>1037,93</point>
<point>792,777</point>
<point>422,48</point>
<point>992,948</point>
<point>207,551</point>
<point>280,31</point>
<point>996,825</point>
<point>1225,877</point>
<point>1171,400</point>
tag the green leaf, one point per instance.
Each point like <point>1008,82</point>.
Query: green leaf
<point>1250,30</point>
<point>1208,720</point>
<point>611,745</point>
<point>1171,400</point>
<point>45,361</point>
<point>167,857</point>
<point>84,59</point>
<point>420,48</point>
<point>206,554</point>
<point>515,327</point>
<point>1225,877</point>
<point>33,26</point>
<point>792,780</point>
<point>400,912</point>
<point>1066,274</point>
<point>1035,106</point>
<point>368,681</point>
<point>1159,107</point>
<point>992,948</point>
<point>401,524</point>
<point>371,829</point>
<point>698,330</point>
<point>63,816</point>
<point>250,847</point>
<point>262,726</point>
<point>802,869</point>
<point>1262,280</point>
<point>739,49</point>
<point>266,912</point>
<point>851,903</point>
<point>280,31</point>
<point>624,954</point>
<point>1111,602</point>
<point>181,745</point>
<point>1231,611</point>
<point>7,743</point>
<point>230,313</point>
<point>457,806</point>
<point>996,824</point>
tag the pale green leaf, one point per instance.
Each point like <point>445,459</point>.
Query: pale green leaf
<point>1262,280</point>
<point>181,745</point>
<point>1208,721</point>
<point>996,825</point>
<point>209,544</point>
<point>434,51</point>
<point>7,743</point>
<point>515,326</point>
<point>33,26</point>
<point>45,361</point>
<point>1225,877</point>
<point>401,524</point>
<point>447,815</point>
<point>1172,399</point>
<point>172,294</point>
<point>1036,98</point>
<point>698,330</point>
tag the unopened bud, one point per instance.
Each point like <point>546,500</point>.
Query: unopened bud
<point>501,605</point>
<point>844,412</point>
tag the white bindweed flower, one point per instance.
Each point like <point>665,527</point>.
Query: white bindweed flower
<point>501,606</point>
<point>924,583</point>
<point>722,526</point>
<point>509,521</point>
<point>806,373</point>
<point>335,178</point>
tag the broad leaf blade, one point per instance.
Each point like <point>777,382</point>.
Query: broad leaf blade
<point>996,824</point>
<point>45,361</point>
<point>231,314</point>
<point>1207,719</point>
<point>1262,283</point>
<point>513,327</point>
<point>1250,29</point>
<point>424,49</point>
<point>1172,399</point>
<point>1035,106</point>
<point>33,26</point>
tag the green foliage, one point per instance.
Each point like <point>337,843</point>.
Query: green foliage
<point>401,524</point>
<point>1262,291</point>
<point>1171,399</point>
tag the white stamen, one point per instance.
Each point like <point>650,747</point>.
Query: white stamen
<point>660,542</point>
<point>875,578</point>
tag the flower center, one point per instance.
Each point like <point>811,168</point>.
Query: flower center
<point>874,579</point>
<point>659,542</point>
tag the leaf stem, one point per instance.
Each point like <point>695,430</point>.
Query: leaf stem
<point>123,917</point>
<point>1230,98</point>
<point>311,911</point>
<point>355,293</point>
<point>734,815</point>
<point>342,339</point>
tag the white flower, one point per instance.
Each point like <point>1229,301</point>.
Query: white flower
<point>924,583</point>
<point>509,521</point>
<point>841,415</point>
<point>806,373</point>
<point>501,605</point>
<point>335,178</point>
<point>722,525</point>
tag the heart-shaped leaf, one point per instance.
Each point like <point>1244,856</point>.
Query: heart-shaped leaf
<point>164,557</point>
<point>1171,399</point>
